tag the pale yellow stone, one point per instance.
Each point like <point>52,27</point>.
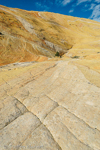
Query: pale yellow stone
<point>54,104</point>
<point>56,107</point>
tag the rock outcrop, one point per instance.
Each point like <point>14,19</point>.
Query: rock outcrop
<point>48,105</point>
<point>53,104</point>
<point>37,36</point>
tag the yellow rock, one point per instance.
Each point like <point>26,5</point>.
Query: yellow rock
<point>47,102</point>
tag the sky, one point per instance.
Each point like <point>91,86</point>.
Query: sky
<point>78,8</point>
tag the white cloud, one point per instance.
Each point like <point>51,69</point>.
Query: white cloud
<point>62,2</point>
<point>65,2</point>
<point>40,6</point>
<point>92,6</point>
<point>82,1</point>
<point>96,13</point>
<point>71,10</point>
<point>98,1</point>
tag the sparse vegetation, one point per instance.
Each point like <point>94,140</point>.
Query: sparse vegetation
<point>1,33</point>
<point>42,30</point>
<point>75,57</point>
<point>44,38</point>
<point>57,54</point>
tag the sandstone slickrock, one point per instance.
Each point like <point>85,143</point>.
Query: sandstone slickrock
<point>56,107</point>
<point>53,104</point>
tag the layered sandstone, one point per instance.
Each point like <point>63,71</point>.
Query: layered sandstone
<point>53,104</point>
<point>49,105</point>
<point>37,36</point>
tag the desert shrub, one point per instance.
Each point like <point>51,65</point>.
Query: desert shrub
<point>57,54</point>
<point>1,33</point>
<point>75,57</point>
<point>44,38</point>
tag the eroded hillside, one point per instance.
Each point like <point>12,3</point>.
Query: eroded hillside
<point>53,104</point>
<point>37,36</point>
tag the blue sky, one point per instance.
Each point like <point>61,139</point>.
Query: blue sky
<point>78,8</point>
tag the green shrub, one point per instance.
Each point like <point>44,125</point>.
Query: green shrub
<point>75,57</point>
<point>57,54</point>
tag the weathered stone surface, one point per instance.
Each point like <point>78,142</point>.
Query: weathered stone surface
<point>53,107</point>
<point>37,36</point>
<point>42,139</point>
<point>10,109</point>
<point>55,48</point>
<point>13,135</point>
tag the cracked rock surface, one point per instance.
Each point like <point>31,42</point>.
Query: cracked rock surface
<point>48,106</point>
